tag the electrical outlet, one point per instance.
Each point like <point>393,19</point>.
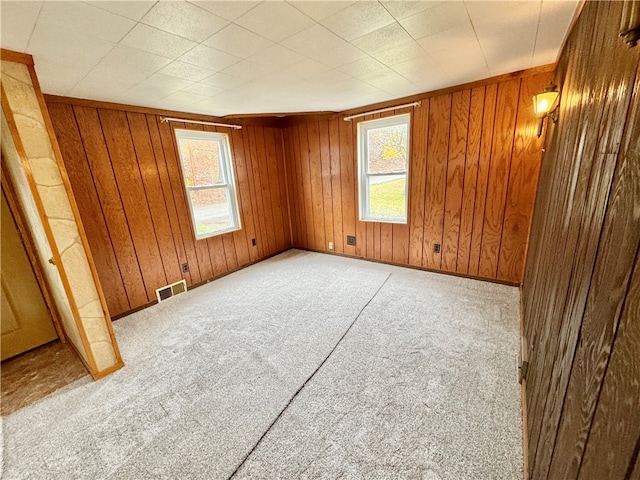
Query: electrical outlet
<point>330,245</point>
<point>253,242</point>
<point>185,267</point>
<point>436,248</point>
<point>351,240</point>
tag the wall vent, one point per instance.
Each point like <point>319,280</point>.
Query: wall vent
<point>171,290</point>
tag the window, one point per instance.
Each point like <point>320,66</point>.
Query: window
<point>383,152</point>
<point>208,178</point>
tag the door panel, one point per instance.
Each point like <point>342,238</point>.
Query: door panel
<point>25,321</point>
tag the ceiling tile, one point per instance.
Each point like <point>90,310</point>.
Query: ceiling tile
<point>56,78</point>
<point>238,41</point>
<point>436,19</point>
<point>456,60</point>
<point>320,10</point>
<point>361,67</point>
<point>342,55</point>
<point>207,57</point>
<point>229,10</point>
<point>184,19</point>
<point>400,9</point>
<point>501,49</point>
<point>295,73</point>
<point>358,20</point>
<point>383,39</point>
<point>155,87</point>
<point>248,70</point>
<point>152,40</point>
<point>400,53</point>
<point>96,88</point>
<point>493,17</point>
<point>555,18</point>
<point>169,84</point>
<point>417,69</point>
<point>96,50</point>
<point>68,48</point>
<point>186,71</point>
<point>274,20</point>
<point>389,81</point>
<point>457,37</point>
<point>313,41</point>
<point>78,18</point>
<point>203,89</point>
<point>178,100</point>
<point>276,57</point>
<point>133,10</point>
<point>126,67</point>
<point>223,80</point>
<point>17,22</point>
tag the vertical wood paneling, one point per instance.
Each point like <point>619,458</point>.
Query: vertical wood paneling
<point>455,178</point>
<point>307,186</point>
<point>300,202</point>
<point>325,160</point>
<point>507,106</point>
<point>523,179</point>
<point>281,175</point>
<point>317,195</point>
<point>107,191</point>
<point>348,177</point>
<point>153,189</point>
<point>336,185</point>
<point>452,147</point>
<point>126,174</point>
<point>482,183</point>
<point>582,382</point>
<point>70,142</point>
<point>277,207</point>
<point>417,181</point>
<point>618,409</point>
<point>167,192</point>
<point>436,184</point>
<point>474,132</point>
<point>244,197</point>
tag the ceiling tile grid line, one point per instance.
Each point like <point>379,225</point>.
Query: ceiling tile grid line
<point>221,57</point>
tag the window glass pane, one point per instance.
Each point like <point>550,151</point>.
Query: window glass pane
<point>387,197</point>
<point>211,210</point>
<point>201,162</point>
<point>387,149</point>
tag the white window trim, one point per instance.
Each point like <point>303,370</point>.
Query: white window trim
<point>363,175</point>
<point>229,183</point>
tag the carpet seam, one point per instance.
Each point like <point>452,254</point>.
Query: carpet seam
<point>264,434</point>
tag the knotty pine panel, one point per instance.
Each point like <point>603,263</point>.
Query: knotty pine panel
<point>126,175</point>
<point>463,191</point>
<point>582,381</point>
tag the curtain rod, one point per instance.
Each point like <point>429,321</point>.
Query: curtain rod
<point>184,120</point>
<point>414,104</point>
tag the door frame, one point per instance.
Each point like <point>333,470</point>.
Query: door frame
<point>30,248</point>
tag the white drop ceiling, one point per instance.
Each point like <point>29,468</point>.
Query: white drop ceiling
<point>243,57</point>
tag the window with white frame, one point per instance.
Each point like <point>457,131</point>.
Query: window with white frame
<point>207,171</point>
<point>383,167</point>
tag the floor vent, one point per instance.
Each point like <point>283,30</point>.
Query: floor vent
<point>171,290</point>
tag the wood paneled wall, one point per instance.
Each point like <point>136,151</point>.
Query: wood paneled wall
<point>473,174</point>
<point>126,176</point>
<point>581,291</point>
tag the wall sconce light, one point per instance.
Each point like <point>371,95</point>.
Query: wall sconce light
<point>545,104</point>
<point>630,23</point>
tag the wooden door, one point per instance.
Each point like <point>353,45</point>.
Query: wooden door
<point>25,319</point>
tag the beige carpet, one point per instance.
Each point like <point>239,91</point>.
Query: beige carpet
<point>303,366</point>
